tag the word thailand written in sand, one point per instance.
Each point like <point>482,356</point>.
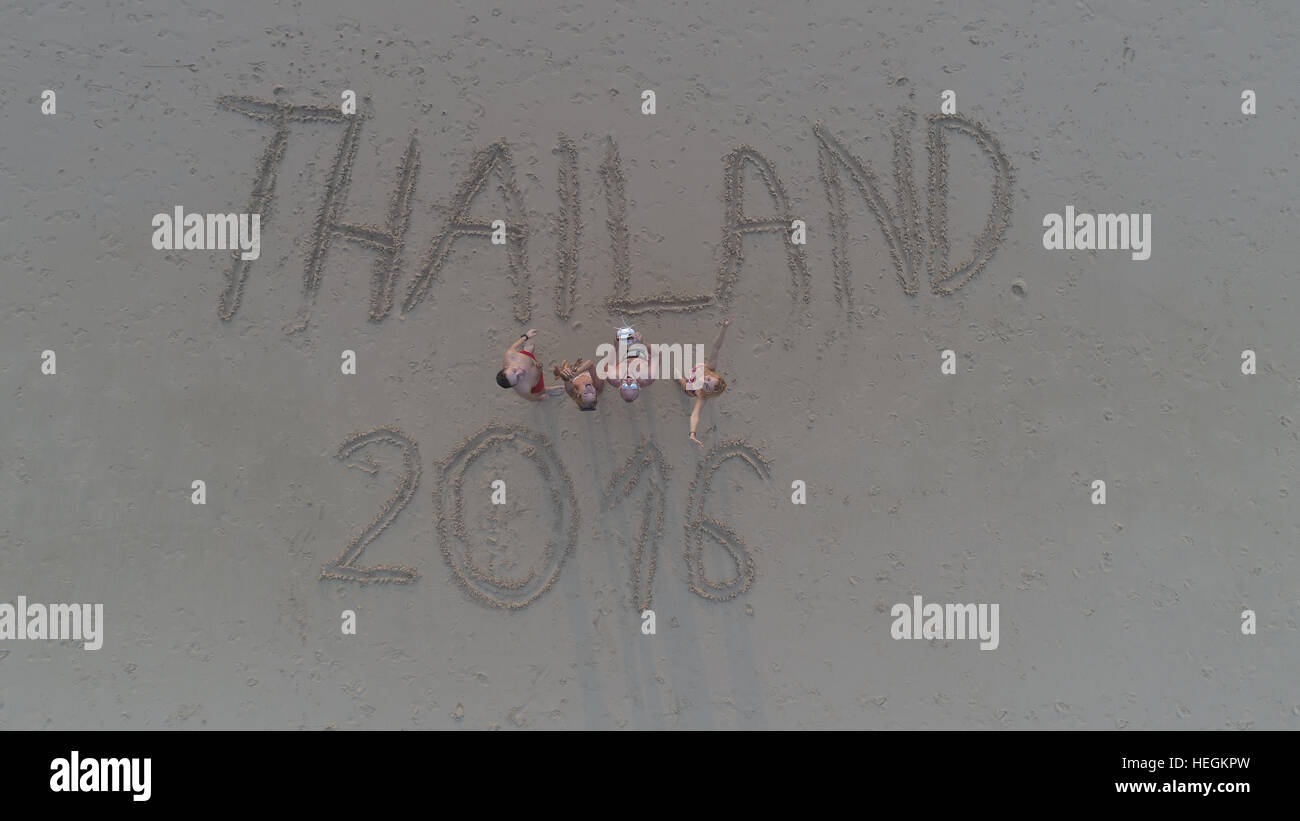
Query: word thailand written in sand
<point>900,221</point>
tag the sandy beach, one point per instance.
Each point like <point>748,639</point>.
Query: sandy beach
<point>327,491</point>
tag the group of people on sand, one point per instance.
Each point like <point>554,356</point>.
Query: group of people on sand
<point>583,383</point>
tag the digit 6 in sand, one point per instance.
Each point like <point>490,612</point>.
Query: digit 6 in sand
<point>698,525</point>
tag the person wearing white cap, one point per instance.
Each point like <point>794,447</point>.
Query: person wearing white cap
<point>634,367</point>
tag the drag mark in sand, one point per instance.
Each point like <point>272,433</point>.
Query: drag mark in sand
<point>482,580</point>
<point>901,226</point>
<point>568,229</point>
<point>647,458</point>
<point>902,229</point>
<point>390,241</point>
<point>387,240</point>
<point>495,158</point>
<point>344,567</point>
<point>611,174</point>
<point>999,216</point>
<point>279,114</point>
<point>327,216</point>
<point>900,221</point>
<point>453,536</point>
<point>736,224</point>
<point>698,525</point>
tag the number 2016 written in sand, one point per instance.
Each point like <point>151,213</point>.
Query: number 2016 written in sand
<point>489,584</point>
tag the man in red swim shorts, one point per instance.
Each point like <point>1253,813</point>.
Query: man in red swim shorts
<point>523,372</point>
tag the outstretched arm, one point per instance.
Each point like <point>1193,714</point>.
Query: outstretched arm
<point>532,332</point>
<point>695,419</point>
<point>712,361</point>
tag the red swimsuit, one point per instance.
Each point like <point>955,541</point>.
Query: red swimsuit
<point>690,379</point>
<point>539,387</point>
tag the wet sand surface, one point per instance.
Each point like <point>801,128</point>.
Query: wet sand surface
<point>372,491</point>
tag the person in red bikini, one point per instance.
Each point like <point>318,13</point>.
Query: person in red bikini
<point>523,372</point>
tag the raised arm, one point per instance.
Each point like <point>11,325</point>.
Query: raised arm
<point>712,361</point>
<point>519,343</point>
